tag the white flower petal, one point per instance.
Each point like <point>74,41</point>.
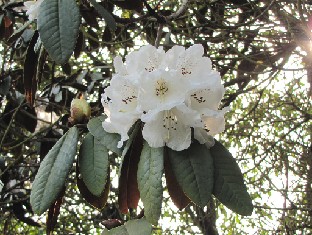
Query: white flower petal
<point>203,137</point>
<point>148,58</point>
<point>207,98</point>
<point>123,94</point>
<point>32,9</point>
<point>120,68</point>
<point>168,127</point>
<point>190,64</point>
<point>119,123</point>
<point>161,90</point>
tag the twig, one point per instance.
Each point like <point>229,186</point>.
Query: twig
<point>179,12</point>
<point>159,33</point>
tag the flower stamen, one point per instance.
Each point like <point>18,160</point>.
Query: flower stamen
<point>161,88</point>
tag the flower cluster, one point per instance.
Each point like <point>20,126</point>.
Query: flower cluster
<point>170,92</point>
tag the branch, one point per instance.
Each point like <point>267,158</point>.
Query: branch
<point>179,12</point>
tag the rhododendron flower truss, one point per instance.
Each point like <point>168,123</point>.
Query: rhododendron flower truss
<point>170,92</point>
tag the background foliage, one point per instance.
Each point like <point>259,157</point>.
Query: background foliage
<point>262,50</point>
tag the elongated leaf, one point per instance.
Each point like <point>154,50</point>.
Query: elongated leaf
<point>151,168</point>
<point>229,187</point>
<point>193,169</point>
<point>128,191</point>
<point>58,25</point>
<point>95,201</point>
<point>109,20</point>
<point>30,70</point>
<point>132,227</point>
<point>109,140</point>
<point>175,191</point>
<point>93,164</point>
<point>53,172</point>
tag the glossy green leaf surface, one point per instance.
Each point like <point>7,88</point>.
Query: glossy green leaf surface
<point>93,164</point>
<point>58,26</point>
<point>229,187</point>
<point>53,172</point>
<point>193,169</point>
<point>150,171</point>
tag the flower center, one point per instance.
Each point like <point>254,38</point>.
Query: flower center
<point>170,122</point>
<point>161,88</point>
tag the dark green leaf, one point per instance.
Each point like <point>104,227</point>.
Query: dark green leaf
<point>58,25</point>
<point>96,201</point>
<point>132,227</point>
<point>229,187</point>
<point>150,170</point>
<point>109,20</point>
<point>193,169</point>
<point>93,164</point>
<point>109,140</point>
<point>53,172</point>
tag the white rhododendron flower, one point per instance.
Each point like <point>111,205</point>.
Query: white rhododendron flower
<point>175,94</point>
<point>32,8</point>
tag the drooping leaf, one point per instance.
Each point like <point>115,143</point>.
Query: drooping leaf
<point>53,172</point>
<point>193,169</point>
<point>54,212</point>
<point>96,201</point>
<point>150,171</point>
<point>175,191</point>
<point>109,19</point>
<point>128,191</point>
<point>58,25</point>
<point>109,140</point>
<point>93,164</point>
<point>30,70</point>
<point>229,187</point>
<point>132,227</point>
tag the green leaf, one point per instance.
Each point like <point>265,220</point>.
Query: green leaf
<point>96,201</point>
<point>132,227</point>
<point>150,171</point>
<point>53,172</point>
<point>229,187</point>
<point>109,140</point>
<point>58,25</point>
<point>93,164</point>
<point>109,19</point>
<point>193,169</point>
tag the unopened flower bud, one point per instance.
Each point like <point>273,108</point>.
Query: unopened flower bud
<point>80,110</point>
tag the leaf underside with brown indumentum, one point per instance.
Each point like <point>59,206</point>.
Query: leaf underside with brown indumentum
<point>129,195</point>
<point>30,70</point>
<point>54,212</point>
